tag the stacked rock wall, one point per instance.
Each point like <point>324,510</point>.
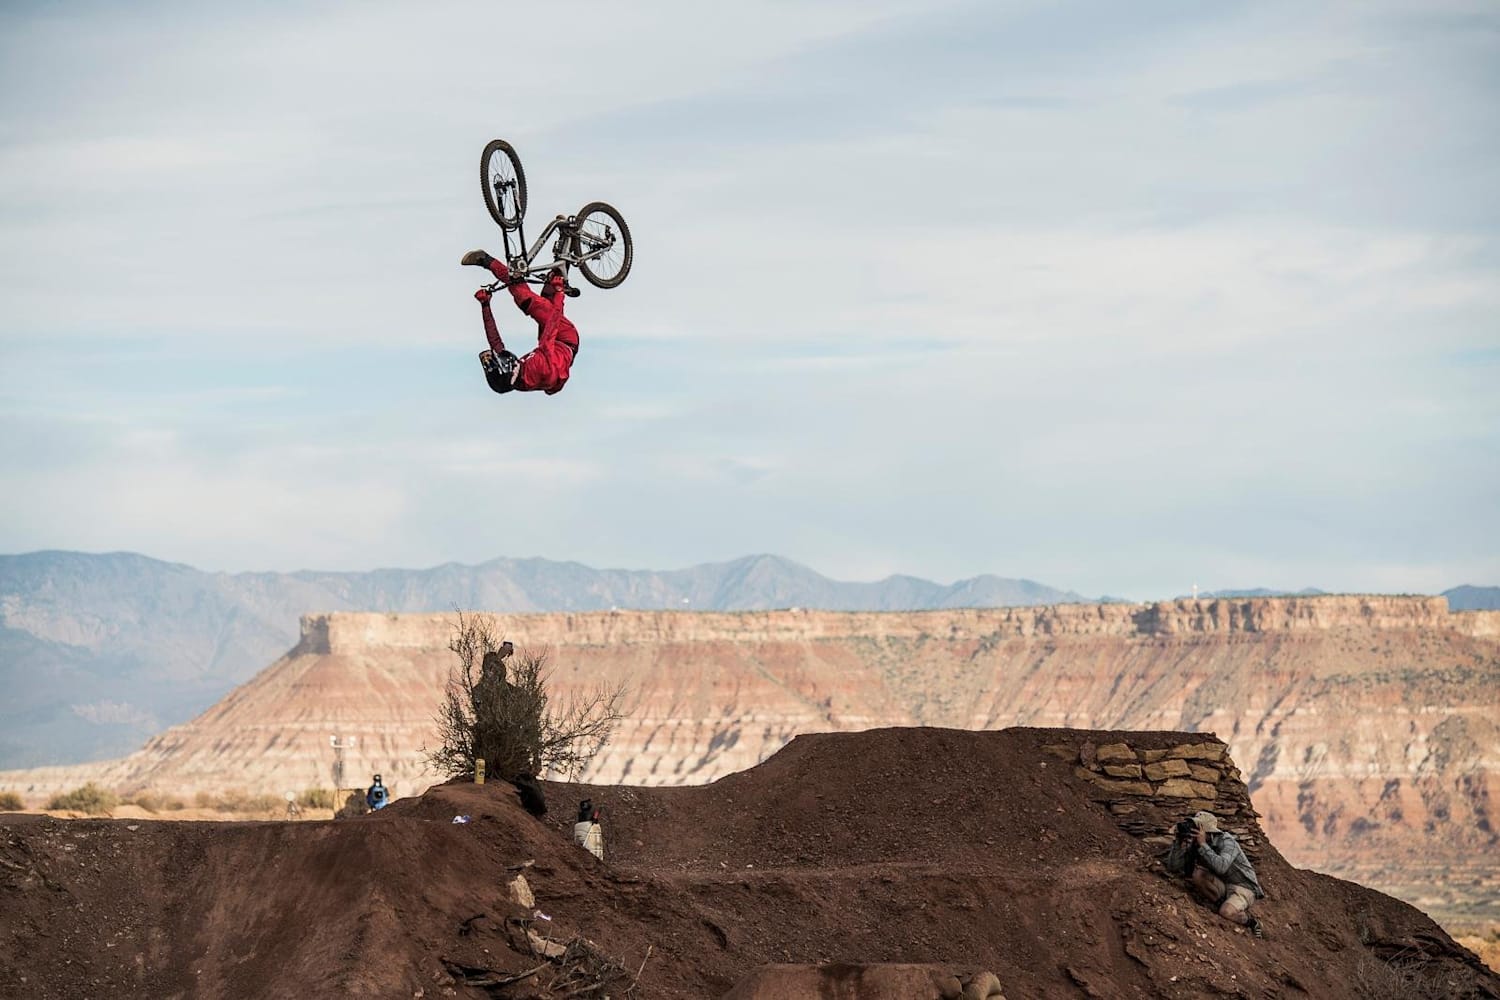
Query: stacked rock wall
<point>1149,788</point>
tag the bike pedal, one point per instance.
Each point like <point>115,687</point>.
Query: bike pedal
<point>571,292</point>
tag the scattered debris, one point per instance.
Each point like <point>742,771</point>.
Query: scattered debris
<point>484,978</point>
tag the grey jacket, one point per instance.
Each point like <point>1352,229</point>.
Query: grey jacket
<point>1223,856</point>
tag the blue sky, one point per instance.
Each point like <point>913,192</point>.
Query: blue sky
<point>1116,297</point>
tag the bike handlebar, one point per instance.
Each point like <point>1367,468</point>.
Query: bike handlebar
<point>524,278</point>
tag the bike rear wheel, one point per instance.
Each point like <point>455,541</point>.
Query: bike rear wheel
<point>504,183</point>
<point>602,231</point>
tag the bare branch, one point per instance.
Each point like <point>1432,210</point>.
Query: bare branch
<point>496,707</point>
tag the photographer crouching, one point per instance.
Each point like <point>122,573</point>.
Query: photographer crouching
<point>1218,868</point>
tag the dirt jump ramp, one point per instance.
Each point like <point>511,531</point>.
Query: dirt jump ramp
<point>899,859</point>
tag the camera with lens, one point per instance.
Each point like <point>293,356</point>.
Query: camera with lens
<point>1185,831</point>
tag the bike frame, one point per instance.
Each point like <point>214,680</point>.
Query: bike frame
<point>565,227</point>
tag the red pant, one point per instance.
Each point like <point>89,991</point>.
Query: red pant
<point>546,366</point>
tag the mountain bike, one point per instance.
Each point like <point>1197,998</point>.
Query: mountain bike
<point>596,239</point>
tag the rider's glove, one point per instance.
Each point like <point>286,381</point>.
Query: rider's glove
<point>483,295</point>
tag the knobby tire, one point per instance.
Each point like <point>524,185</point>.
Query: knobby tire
<point>502,148</point>
<point>622,239</point>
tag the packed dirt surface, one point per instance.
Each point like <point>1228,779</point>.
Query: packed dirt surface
<point>1005,852</point>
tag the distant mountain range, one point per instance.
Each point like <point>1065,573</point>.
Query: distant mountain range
<point>98,652</point>
<point>1467,598</point>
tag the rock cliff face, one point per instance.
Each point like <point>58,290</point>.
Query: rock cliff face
<point>1367,725</point>
<point>100,651</point>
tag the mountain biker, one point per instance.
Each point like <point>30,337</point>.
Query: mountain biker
<point>546,366</point>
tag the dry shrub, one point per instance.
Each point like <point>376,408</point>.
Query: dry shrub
<point>11,802</point>
<point>1400,978</point>
<point>496,708</point>
<point>155,801</point>
<point>317,798</point>
<point>237,800</point>
<point>354,804</point>
<point>89,798</point>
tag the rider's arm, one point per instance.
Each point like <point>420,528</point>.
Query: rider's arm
<point>491,332</point>
<point>1216,862</point>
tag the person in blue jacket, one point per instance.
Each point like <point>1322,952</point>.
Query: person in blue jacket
<point>377,797</point>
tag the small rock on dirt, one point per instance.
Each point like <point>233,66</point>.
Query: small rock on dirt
<point>520,892</point>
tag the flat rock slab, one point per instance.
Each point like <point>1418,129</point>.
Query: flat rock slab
<point>1184,788</point>
<point>1198,751</point>
<point>1170,768</point>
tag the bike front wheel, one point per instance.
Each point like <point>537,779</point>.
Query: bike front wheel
<point>504,183</point>
<point>602,245</point>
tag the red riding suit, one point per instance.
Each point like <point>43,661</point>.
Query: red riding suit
<point>547,365</point>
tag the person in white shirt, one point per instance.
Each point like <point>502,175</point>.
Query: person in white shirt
<point>587,833</point>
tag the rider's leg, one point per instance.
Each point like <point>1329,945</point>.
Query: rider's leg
<point>530,302</point>
<point>480,258</point>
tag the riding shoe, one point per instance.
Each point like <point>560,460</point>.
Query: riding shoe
<point>476,257</point>
<point>555,278</point>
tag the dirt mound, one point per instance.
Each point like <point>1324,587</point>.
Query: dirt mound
<point>1009,851</point>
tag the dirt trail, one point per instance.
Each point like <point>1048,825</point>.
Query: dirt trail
<point>969,850</point>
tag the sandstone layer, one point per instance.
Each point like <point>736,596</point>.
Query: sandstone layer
<point>1367,725</point>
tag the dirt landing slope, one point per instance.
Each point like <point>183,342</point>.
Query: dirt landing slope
<point>1013,851</point>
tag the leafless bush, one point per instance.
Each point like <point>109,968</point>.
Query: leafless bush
<point>496,708</point>
<point>580,967</point>
<point>11,802</point>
